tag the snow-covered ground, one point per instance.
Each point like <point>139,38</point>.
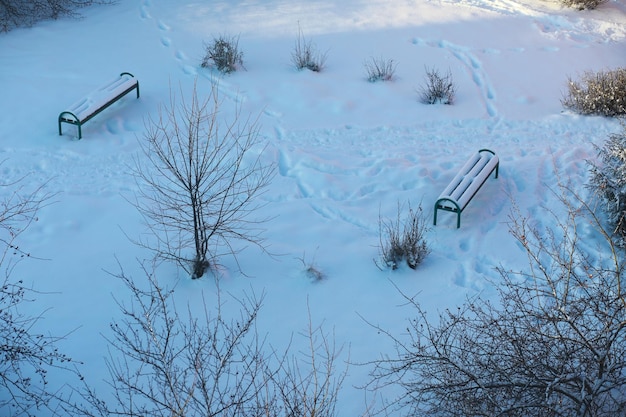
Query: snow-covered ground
<point>346,151</point>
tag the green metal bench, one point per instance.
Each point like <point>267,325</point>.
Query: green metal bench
<point>466,183</point>
<point>83,110</point>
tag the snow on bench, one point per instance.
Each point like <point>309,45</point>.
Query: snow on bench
<point>98,100</point>
<point>466,183</point>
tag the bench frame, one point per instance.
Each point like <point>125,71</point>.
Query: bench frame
<point>71,118</point>
<point>447,203</point>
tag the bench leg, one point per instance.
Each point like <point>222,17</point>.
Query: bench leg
<point>458,218</point>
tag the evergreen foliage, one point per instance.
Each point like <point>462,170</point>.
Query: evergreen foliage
<point>608,181</point>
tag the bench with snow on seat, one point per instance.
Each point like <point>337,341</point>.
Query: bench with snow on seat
<point>466,183</point>
<point>98,100</point>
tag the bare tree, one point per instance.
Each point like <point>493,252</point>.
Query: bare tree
<point>200,182</point>
<point>26,356</point>
<point>554,344</point>
<point>309,385</point>
<point>164,362</point>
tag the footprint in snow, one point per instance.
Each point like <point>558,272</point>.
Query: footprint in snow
<point>163,26</point>
<point>284,164</point>
<point>144,13</point>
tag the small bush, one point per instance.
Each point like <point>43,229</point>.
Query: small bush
<point>311,270</point>
<point>438,88</point>
<point>403,241</point>
<point>306,56</point>
<point>583,4</point>
<point>224,54</point>
<point>608,182</point>
<point>602,93</point>
<point>380,69</point>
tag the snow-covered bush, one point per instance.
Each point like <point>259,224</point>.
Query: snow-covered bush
<point>306,56</point>
<point>602,92</point>
<point>403,241</point>
<point>583,4</point>
<point>608,181</point>
<point>224,54</point>
<point>380,69</point>
<point>438,88</point>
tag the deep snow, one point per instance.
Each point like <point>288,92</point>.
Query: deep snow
<point>345,150</point>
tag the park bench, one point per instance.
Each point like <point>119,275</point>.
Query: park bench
<point>466,183</point>
<point>92,104</point>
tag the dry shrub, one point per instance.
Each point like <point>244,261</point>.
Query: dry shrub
<point>583,4</point>
<point>224,54</point>
<point>403,241</point>
<point>438,89</point>
<point>380,69</point>
<point>602,93</point>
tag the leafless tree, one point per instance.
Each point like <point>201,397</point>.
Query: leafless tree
<point>16,13</point>
<point>165,362</point>
<point>26,356</point>
<point>554,344</point>
<point>200,182</point>
<point>309,385</point>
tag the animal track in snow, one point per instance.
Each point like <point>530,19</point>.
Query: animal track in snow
<point>163,26</point>
<point>474,67</point>
<point>479,76</point>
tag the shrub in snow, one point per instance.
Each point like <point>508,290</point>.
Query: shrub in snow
<point>403,241</point>
<point>438,88</point>
<point>583,4</point>
<point>380,69</point>
<point>223,53</point>
<point>602,93</point>
<point>551,342</point>
<point>608,181</point>
<point>312,271</point>
<point>306,56</point>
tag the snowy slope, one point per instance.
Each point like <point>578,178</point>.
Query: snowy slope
<point>346,151</point>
